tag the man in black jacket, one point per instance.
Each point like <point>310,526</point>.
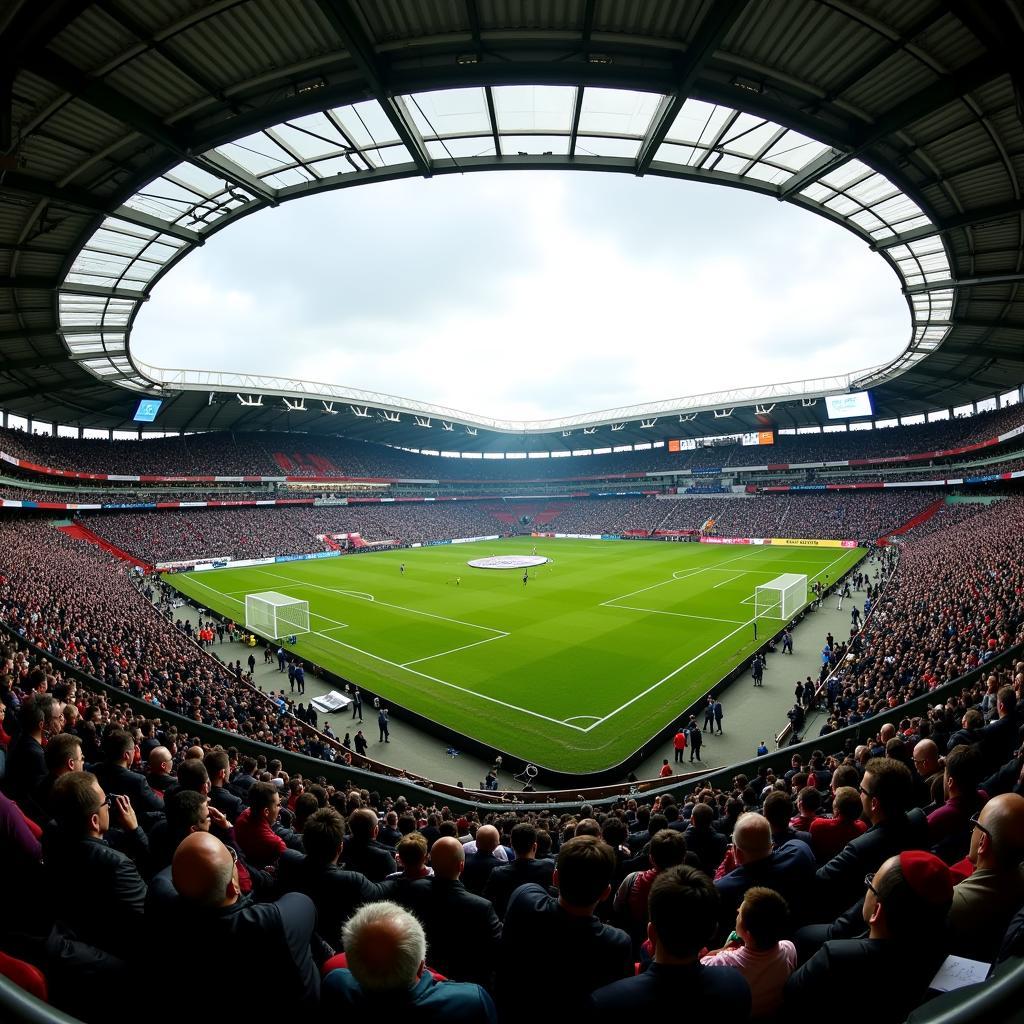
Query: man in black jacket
<point>479,865</point>
<point>504,880</point>
<point>703,840</point>
<point>556,945</point>
<point>26,763</point>
<point>362,852</point>
<point>886,792</point>
<point>218,765</point>
<point>905,911</point>
<point>336,893</point>
<point>462,929</point>
<point>105,900</point>
<point>244,779</point>
<point>999,739</point>
<point>115,777</point>
<point>213,923</point>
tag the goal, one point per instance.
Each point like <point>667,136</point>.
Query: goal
<point>782,597</point>
<point>274,615</point>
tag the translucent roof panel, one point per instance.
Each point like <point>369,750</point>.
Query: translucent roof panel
<point>449,112</point>
<point>313,151</point>
<point>617,112</point>
<point>530,108</point>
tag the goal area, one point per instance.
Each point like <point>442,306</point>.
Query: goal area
<point>782,597</point>
<point>275,615</point>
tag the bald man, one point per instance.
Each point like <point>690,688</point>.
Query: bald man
<point>984,903</point>
<point>927,768</point>
<point>462,928</point>
<point>159,774</point>
<point>479,865</point>
<point>788,868</point>
<point>217,925</point>
<point>386,977</point>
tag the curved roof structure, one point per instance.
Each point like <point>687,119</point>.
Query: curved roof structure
<point>131,132</point>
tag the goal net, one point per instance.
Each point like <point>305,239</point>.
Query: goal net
<point>781,598</point>
<point>274,615</point>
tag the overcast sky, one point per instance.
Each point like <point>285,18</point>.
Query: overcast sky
<point>530,295</point>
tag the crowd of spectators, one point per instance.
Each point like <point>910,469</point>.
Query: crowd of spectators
<point>78,604</point>
<point>172,535</point>
<point>301,455</point>
<point>769,895</point>
<point>95,496</point>
<point>140,852</point>
<point>956,598</point>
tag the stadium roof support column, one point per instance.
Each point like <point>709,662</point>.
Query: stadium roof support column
<point>720,17</point>
<point>345,21</point>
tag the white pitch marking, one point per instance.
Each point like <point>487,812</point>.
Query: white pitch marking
<point>731,579</point>
<point>313,615</point>
<point>385,604</point>
<point>416,672</point>
<point>454,686</point>
<point>430,657</point>
<point>681,615</point>
<point>697,657</point>
<point>677,575</point>
<point>581,718</point>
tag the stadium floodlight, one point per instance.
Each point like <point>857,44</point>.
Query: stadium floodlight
<point>275,615</point>
<point>781,598</point>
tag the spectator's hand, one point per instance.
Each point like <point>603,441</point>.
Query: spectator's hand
<point>126,812</point>
<point>218,818</point>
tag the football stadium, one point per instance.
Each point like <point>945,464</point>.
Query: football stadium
<point>482,594</point>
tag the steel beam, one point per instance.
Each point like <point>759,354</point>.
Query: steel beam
<point>346,23</point>
<point>921,104</point>
<point>719,19</point>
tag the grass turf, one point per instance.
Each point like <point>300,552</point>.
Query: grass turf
<point>574,671</point>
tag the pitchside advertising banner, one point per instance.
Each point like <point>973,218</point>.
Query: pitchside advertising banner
<point>785,542</point>
<point>206,564</point>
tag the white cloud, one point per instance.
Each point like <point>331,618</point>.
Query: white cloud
<point>527,296</point>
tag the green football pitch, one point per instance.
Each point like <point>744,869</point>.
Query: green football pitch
<point>605,645</point>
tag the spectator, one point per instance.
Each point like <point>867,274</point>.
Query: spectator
<point>105,904</point>
<point>905,910</point>
<point>830,835</point>
<point>386,976</point>
<point>558,943</point>
<point>335,892</point>
<point>886,793</point>
<point>683,915</point>
<point>362,852</point>
<point>217,924</point>
<point>527,868</point>
<point>788,869</point>
<point>462,928</point>
<point>762,955</point>
<point>984,902</point>
<point>254,830</point>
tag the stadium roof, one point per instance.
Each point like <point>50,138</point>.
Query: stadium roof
<point>131,130</point>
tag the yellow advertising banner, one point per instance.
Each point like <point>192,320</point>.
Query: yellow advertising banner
<point>799,542</point>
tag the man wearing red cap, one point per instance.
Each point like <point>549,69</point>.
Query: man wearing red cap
<point>905,910</point>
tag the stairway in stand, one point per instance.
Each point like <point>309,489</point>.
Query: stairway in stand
<point>79,532</point>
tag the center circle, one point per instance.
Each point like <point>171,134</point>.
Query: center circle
<point>507,562</point>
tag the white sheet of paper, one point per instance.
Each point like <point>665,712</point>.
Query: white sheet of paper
<point>958,971</point>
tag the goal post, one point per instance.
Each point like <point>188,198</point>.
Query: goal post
<point>780,598</point>
<point>275,615</point>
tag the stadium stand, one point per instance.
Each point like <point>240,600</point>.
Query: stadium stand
<point>172,839</point>
<point>72,603</point>
<point>256,455</point>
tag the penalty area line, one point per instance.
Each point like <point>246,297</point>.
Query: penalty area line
<point>385,604</point>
